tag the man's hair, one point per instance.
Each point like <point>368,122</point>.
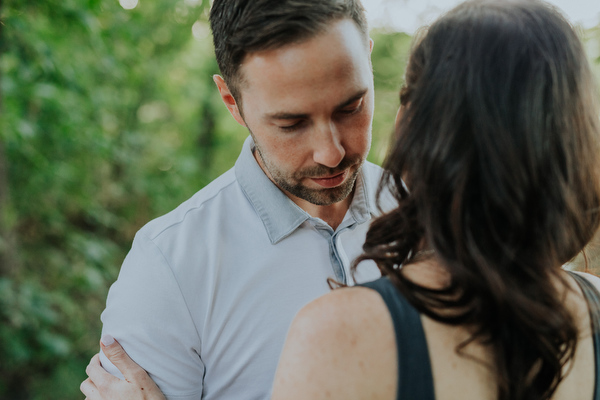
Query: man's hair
<point>240,27</point>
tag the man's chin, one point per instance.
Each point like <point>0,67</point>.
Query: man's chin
<point>325,196</point>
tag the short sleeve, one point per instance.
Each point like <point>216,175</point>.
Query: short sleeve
<point>147,313</point>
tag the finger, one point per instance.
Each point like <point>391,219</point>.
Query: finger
<point>98,375</point>
<point>120,359</point>
<point>94,361</point>
<point>90,391</point>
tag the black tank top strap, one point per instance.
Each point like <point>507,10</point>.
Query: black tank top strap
<point>415,380</point>
<point>592,297</point>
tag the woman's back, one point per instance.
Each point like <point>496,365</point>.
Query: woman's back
<point>460,377</point>
<point>353,351</point>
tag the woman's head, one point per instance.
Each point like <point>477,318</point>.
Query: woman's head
<point>498,141</point>
<point>495,168</point>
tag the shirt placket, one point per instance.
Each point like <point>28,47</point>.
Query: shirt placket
<point>337,256</point>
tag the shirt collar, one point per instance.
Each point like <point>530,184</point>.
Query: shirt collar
<point>360,208</point>
<point>279,214</point>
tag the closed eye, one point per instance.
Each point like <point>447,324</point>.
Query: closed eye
<point>352,108</point>
<point>292,127</point>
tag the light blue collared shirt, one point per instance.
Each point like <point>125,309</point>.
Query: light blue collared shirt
<point>205,297</point>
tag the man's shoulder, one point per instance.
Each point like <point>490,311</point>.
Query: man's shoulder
<point>216,195</point>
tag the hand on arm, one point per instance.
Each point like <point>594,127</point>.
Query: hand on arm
<point>100,385</point>
<point>148,313</point>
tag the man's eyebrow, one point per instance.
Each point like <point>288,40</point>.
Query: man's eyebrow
<point>289,116</point>
<point>284,115</point>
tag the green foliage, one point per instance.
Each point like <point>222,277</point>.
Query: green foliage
<point>389,57</point>
<point>108,119</point>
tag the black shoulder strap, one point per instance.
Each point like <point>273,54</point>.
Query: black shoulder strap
<point>592,296</point>
<point>414,368</point>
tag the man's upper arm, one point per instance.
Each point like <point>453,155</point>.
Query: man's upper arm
<point>147,314</point>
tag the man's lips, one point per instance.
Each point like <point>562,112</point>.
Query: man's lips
<point>331,181</point>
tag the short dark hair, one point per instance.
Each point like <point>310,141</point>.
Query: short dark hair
<point>495,168</point>
<point>240,27</point>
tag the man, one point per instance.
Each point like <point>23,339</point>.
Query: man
<point>206,295</point>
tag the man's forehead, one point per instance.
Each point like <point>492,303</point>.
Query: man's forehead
<point>318,75</point>
<point>311,50</point>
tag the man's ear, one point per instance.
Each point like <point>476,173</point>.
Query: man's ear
<point>229,100</point>
<point>371,43</point>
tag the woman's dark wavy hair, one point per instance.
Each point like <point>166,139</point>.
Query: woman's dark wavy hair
<point>494,166</point>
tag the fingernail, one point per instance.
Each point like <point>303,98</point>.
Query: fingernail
<point>107,340</point>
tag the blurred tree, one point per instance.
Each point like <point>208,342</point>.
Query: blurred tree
<point>107,121</point>
<point>389,58</point>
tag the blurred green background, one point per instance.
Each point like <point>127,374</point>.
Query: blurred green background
<point>109,118</point>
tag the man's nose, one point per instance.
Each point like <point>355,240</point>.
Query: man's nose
<point>328,149</point>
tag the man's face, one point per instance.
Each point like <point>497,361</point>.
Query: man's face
<point>309,108</point>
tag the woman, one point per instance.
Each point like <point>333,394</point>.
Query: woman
<point>494,167</point>
<point>497,144</point>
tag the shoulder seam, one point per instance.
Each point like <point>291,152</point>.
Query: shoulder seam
<point>179,221</point>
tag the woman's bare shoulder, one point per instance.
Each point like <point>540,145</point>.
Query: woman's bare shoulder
<point>334,344</point>
<point>343,320</point>
<point>349,305</point>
